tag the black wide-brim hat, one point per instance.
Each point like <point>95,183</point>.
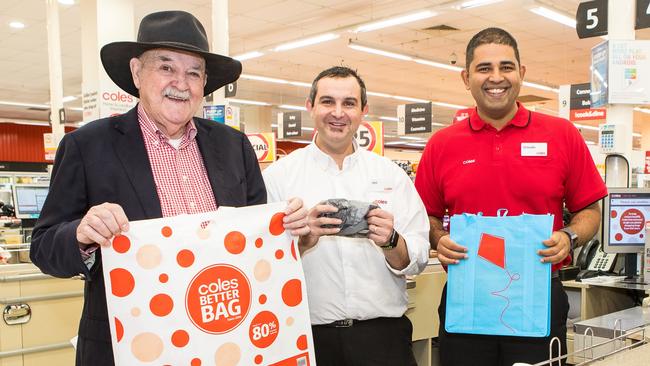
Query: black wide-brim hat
<point>175,30</point>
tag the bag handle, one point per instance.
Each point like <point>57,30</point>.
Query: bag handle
<point>502,212</point>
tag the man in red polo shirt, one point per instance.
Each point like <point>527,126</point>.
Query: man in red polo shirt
<point>504,156</point>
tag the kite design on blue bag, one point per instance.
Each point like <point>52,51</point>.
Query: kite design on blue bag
<point>501,288</point>
<point>493,249</point>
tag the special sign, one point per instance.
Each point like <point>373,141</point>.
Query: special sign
<point>264,146</point>
<point>370,136</point>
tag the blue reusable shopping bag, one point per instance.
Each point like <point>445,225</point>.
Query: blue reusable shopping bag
<point>502,288</point>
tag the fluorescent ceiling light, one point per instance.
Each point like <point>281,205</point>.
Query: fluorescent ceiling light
<point>642,110</point>
<point>386,118</point>
<point>391,143</point>
<point>541,87</point>
<point>76,109</point>
<point>586,127</point>
<point>375,94</point>
<point>636,134</point>
<point>307,128</point>
<point>17,25</point>
<point>589,142</point>
<point>438,64</point>
<point>248,55</point>
<point>415,144</point>
<point>306,42</point>
<point>398,56</point>
<point>438,124</point>
<point>411,138</point>
<point>300,83</point>
<point>28,105</point>
<point>449,105</point>
<point>264,78</point>
<point>246,101</point>
<point>476,3</point>
<point>409,99</point>
<point>66,2</point>
<point>394,21</point>
<point>554,16</point>
<point>293,107</point>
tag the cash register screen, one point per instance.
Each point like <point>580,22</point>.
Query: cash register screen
<point>625,213</point>
<point>29,200</point>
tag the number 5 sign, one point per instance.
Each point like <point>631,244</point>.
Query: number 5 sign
<point>370,136</point>
<point>591,19</point>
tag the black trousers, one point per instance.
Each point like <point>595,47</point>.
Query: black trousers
<point>457,349</point>
<point>375,342</point>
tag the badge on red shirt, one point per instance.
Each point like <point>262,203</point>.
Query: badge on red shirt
<point>534,149</point>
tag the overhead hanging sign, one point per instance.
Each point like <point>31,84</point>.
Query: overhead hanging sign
<point>231,90</point>
<point>289,124</point>
<point>575,103</point>
<point>591,19</point>
<point>413,118</point>
<point>642,14</point>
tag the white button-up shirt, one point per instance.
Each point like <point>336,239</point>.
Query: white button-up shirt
<point>349,278</point>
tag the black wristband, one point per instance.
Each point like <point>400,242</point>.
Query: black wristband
<point>392,242</point>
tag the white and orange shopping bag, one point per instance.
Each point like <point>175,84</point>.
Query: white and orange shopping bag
<point>224,288</point>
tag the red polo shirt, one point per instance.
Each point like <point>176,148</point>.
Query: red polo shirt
<point>533,165</point>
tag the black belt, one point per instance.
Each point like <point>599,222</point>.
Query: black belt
<point>344,323</point>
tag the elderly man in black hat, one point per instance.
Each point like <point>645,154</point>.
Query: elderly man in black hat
<point>156,160</point>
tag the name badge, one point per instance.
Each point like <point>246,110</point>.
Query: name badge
<point>534,149</point>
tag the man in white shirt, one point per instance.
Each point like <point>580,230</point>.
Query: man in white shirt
<point>356,287</point>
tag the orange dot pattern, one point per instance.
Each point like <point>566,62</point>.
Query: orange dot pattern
<point>235,242</point>
<point>301,343</point>
<point>292,293</point>
<point>161,305</point>
<point>180,338</point>
<point>185,258</point>
<point>122,282</point>
<point>150,346</point>
<point>166,231</point>
<point>276,227</point>
<point>121,244</point>
<point>119,329</point>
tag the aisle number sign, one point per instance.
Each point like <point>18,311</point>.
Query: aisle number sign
<point>370,136</point>
<point>264,146</point>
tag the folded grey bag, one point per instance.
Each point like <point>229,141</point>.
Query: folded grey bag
<point>352,214</point>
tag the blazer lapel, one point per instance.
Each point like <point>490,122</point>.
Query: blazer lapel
<point>214,162</point>
<point>130,149</point>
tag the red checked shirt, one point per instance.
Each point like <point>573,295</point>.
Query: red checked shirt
<point>533,165</point>
<point>179,173</point>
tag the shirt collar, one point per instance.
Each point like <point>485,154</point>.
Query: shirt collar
<point>152,129</point>
<point>325,161</point>
<point>521,118</point>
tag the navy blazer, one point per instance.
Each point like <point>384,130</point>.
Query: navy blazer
<point>106,161</point>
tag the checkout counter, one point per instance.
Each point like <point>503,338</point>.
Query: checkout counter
<point>40,313</point>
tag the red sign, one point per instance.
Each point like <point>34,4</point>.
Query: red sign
<point>588,114</point>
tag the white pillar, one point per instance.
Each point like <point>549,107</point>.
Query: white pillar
<point>620,24</point>
<point>56,73</point>
<point>220,39</point>
<point>102,22</point>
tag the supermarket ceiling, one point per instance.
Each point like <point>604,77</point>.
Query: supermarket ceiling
<point>551,51</point>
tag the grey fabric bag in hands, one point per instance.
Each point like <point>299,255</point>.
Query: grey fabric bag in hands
<point>352,214</point>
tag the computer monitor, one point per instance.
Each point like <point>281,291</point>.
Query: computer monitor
<point>28,200</point>
<point>625,212</point>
